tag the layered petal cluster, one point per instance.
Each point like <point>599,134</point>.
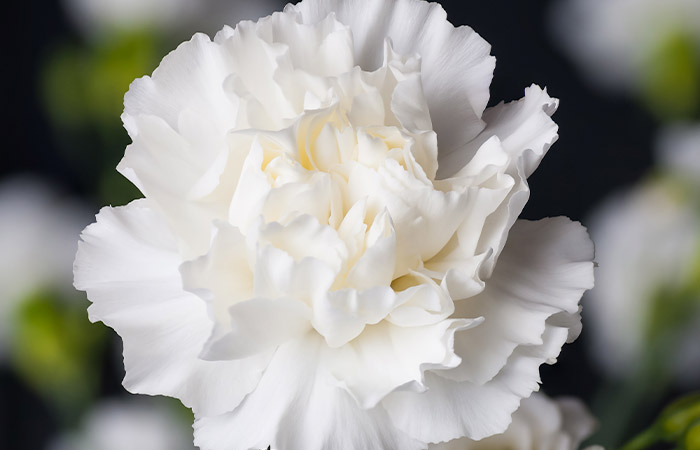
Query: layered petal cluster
<point>540,424</point>
<point>328,255</point>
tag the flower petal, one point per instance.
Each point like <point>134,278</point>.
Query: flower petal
<point>543,272</point>
<point>457,409</point>
<point>386,358</point>
<point>297,406</point>
<point>525,131</point>
<point>539,423</point>
<point>128,265</point>
<point>259,325</point>
<point>456,65</point>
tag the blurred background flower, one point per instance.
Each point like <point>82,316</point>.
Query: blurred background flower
<point>97,19</point>
<point>140,423</point>
<point>650,48</point>
<point>37,227</point>
<point>644,313</point>
<point>43,333</point>
<point>625,71</point>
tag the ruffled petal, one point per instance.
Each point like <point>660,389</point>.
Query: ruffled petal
<point>456,65</point>
<point>451,409</point>
<point>297,406</point>
<point>416,209</point>
<point>152,170</point>
<point>542,274</point>
<point>259,325</point>
<point>525,132</point>
<point>543,271</point>
<point>386,358</point>
<point>128,265</point>
<point>539,423</point>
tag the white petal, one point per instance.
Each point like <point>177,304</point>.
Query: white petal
<point>259,325</point>
<point>416,209</point>
<point>451,409</point>
<point>342,315</point>
<point>128,264</point>
<point>252,188</point>
<point>152,170</point>
<point>542,273</point>
<point>543,270</point>
<point>423,302</point>
<point>386,357</point>
<point>305,237</point>
<point>456,65</point>
<point>189,78</point>
<point>376,266</point>
<point>278,275</point>
<point>539,423</point>
<point>223,276</point>
<point>486,188</point>
<point>296,406</point>
<point>525,131</point>
<point>521,125</point>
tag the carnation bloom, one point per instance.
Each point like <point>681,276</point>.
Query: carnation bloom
<point>320,261</point>
<point>540,424</point>
<point>127,425</point>
<point>649,252</point>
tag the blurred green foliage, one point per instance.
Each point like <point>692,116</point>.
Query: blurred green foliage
<point>83,88</point>
<point>678,424</point>
<point>670,80</point>
<point>57,351</point>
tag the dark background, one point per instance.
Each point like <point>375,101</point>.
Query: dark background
<point>605,144</point>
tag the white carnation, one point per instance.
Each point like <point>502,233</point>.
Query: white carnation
<point>540,424</point>
<point>320,261</point>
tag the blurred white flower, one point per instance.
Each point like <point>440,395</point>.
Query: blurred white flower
<point>540,424</point>
<point>96,17</point>
<point>679,152</point>
<point>612,40</point>
<point>38,229</point>
<point>647,246</point>
<point>321,257</point>
<point>142,424</point>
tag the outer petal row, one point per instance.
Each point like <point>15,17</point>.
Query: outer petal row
<point>297,406</point>
<point>128,265</point>
<point>546,266</point>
